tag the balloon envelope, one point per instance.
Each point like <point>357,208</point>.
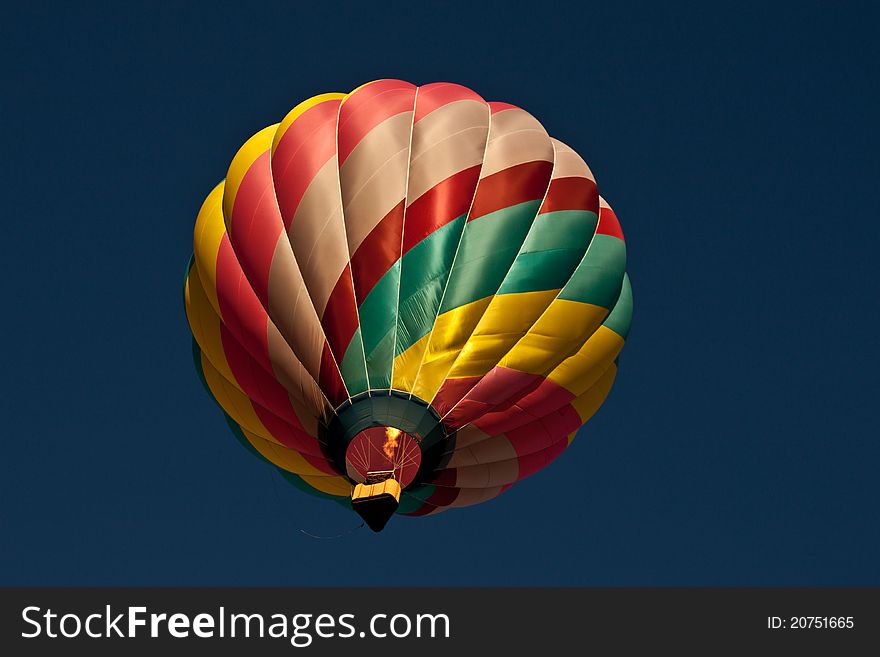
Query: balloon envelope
<point>407,282</point>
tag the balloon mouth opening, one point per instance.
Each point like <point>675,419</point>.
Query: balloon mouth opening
<point>379,453</point>
<point>387,434</point>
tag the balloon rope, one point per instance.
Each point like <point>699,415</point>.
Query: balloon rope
<point>272,474</point>
<point>353,529</point>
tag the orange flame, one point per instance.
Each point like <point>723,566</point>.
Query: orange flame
<point>391,435</point>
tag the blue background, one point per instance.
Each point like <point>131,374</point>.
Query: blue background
<point>738,144</point>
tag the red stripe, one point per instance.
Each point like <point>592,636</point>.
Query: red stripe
<point>423,510</point>
<point>369,106</point>
<point>305,147</point>
<point>242,312</point>
<point>446,477</point>
<point>418,511</point>
<point>340,316</point>
<point>444,202</point>
<point>284,433</point>
<point>496,107</point>
<point>542,433</point>
<point>378,252</point>
<point>531,463</point>
<point>450,392</point>
<point>529,438</point>
<point>321,463</point>
<point>246,348</point>
<point>497,422</point>
<point>524,405</point>
<point>563,422</point>
<point>517,184</point>
<point>608,224</point>
<point>329,378</point>
<point>501,383</point>
<point>571,194</point>
<point>255,382</point>
<point>496,390</point>
<point>255,226</point>
<point>443,495</point>
<point>465,412</point>
<point>437,94</point>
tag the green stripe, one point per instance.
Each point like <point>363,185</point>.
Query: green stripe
<point>425,270</point>
<point>409,502</point>
<point>197,361</point>
<point>289,476</point>
<point>552,250</point>
<point>242,439</point>
<point>352,366</point>
<point>598,278</point>
<point>621,315</point>
<point>377,316</point>
<point>488,247</point>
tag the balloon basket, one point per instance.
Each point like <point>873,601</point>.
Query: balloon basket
<point>376,502</point>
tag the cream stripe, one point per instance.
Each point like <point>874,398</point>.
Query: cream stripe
<point>305,396</point>
<point>317,235</point>
<point>450,139</point>
<point>569,164</point>
<point>469,435</point>
<point>290,307</point>
<point>488,450</point>
<point>472,496</point>
<point>373,177</point>
<point>303,393</point>
<point>516,138</point>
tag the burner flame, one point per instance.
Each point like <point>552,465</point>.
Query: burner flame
<point>390,446</point>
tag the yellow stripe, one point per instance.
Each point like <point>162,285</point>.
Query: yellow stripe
<point>577,373</point>
<point>587,403</point>
<point>406,365</point>
<point>285,457</point>
<point>293,461</point>
<point>297,111</point>
<point>451,332</point>
<point>203,313</point>
<point>236,404</point>
<point>337,486</point>
<point>560,331</point>
<point>244,158</point>
<point>205,325</point>
<point>507,319</point>
<point>207,235</point>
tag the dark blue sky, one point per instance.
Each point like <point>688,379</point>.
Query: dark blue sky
<point>738,145</point>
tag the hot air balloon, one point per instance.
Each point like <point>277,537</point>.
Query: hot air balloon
<point>406,298</point>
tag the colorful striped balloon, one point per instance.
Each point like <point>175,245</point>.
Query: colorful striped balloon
<point>411,285</point>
